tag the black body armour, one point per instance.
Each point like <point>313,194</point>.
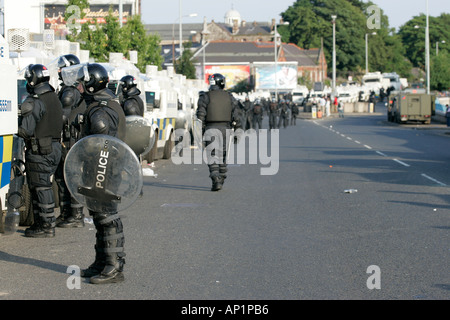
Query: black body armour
<point>220,106</point>
<point>51,123</point>
<point>115,106</point>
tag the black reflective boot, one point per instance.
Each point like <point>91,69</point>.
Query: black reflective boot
<point>113,239</point>
<point>217,183</point>
<point>99,263</point>
<point>64,214</point>
<point>41,228</point>
<point>75,220</point>
<point>97,266</point>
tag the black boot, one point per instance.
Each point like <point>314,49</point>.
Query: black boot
<point>112,272</point>
<point>217,183</point>
<point>41,228</point>
<point>113,239</point>
<point>97,266</point>
<point>64,214</point>
<point>75,220</point>
<point>99,263</point>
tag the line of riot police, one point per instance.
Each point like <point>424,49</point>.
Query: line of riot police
<point>280,112</point>
<point>51,122</point>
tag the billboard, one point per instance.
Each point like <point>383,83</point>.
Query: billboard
<point>54,15</point>
<point>286,75</point>
<point>233,73</point>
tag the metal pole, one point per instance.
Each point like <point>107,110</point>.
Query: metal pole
<point>276,61</point>
<point>334,54</point>
<point>181,32</point>
<point>121,13</point>
<point>427,49</point>
<point>367,55</point>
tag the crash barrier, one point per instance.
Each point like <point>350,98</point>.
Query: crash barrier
<point>441,109</point>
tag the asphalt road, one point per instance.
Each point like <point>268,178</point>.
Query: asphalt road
<point>292,235</point>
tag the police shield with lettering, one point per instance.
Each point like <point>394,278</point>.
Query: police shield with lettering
<point>103,173</point>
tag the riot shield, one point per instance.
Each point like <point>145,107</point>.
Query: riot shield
<point>197,132</point>
<point>140,135</point>
<point>103,173</point>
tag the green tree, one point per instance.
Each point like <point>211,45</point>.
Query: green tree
<point>440,71</point>
<point>414,38</point>
<point>184,64</point>
<point>102,39</point>
<point>147,46</point>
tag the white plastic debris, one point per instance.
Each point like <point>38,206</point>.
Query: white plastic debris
<point>148,172</point>
<point>351,191</point>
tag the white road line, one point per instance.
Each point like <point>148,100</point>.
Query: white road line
<point>368,147</point>
<point>434,180</point>
<point>349,138</point>
<point>381,154</point>
<point>401,162</point>
<point>356,141</point>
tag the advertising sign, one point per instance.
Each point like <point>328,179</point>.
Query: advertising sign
<point>286,75</point>
<point>54,15</point>
<point>233,73</point>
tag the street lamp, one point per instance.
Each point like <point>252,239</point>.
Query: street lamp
<point>427,50</point>
<point>173,36</point>
<point>334,53</point>
<point>276,56</point>
<point>437,47</point>
<point>367,50</point>
<point>181,28</point>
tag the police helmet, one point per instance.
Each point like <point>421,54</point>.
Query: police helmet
<point>36,74</point>
<point>127,83</point>
<point>67,60</point>
<point>217,79</point>
<point>93,77</point>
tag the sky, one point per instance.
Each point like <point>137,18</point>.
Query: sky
<point>168,11</point>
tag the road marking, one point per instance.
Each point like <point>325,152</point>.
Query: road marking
<point>401,162</point>
<point>349,138</point>
<point>381,154</point>
<point>368,147</point>
<point>356,141</point>
<point>434,180</point>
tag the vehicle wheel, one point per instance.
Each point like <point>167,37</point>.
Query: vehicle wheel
<point>168,147</point>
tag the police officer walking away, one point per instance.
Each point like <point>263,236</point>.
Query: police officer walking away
<point>71,211</point>
<point>294,113</point>
<point>40,124</point>
<point>104,115</point>
<point>218,109</point>
<point>273,114</point>
<point>284,116</point>
<point>257,116</point>
<point>132,104</point>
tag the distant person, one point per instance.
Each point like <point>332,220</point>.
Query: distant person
<point>328,107</point>
<point>447,115</point>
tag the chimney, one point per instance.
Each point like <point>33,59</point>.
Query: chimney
<point>235,27</point>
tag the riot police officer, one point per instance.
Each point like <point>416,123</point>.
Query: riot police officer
<point>104,115</point>
<point>294,113</point>
<point>273,114</point>
<point>71,211</point>
<point>257,116</point>
<point>218,110</point>
<point>284,116</point>
<point>132,104</point>
<point>40,124</point>
<point>248,109</point>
